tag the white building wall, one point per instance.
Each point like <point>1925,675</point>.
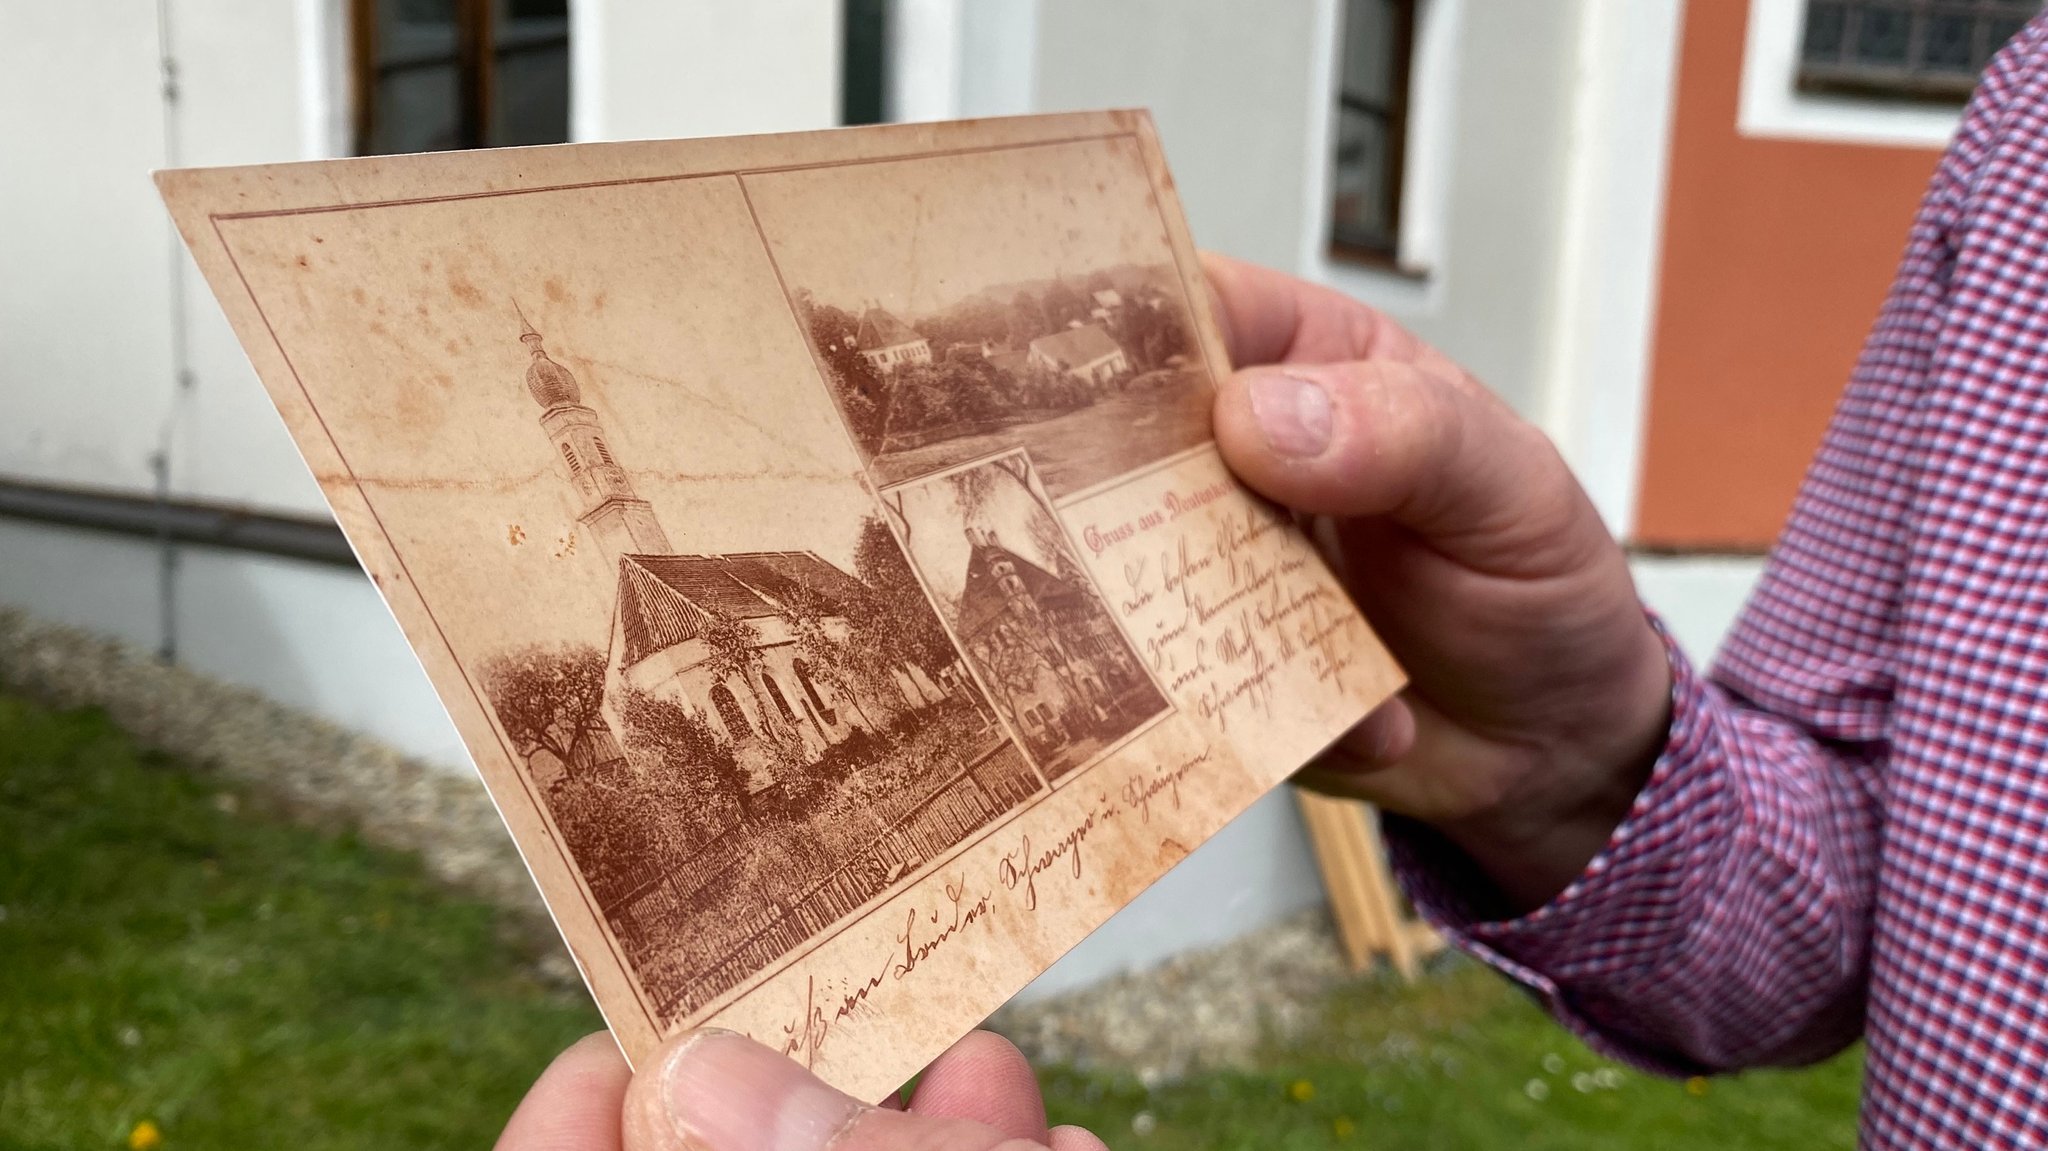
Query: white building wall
<point>1228,82</point>
<point>1597,392</point>
<point>655,69</point>
<point>85,252</point>
<point>247,89</point>
<point>309,636</point>
<point>1534,191</point>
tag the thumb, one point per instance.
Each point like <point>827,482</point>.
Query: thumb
<point>1413,441</point>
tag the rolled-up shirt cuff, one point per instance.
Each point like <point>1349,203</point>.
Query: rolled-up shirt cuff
<point>1622,918</point>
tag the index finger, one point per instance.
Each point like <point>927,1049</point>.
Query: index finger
<point>984,1078</point>
<point>1270,317</point>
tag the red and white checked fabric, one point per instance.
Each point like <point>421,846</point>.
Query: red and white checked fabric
<point>1848,830</point>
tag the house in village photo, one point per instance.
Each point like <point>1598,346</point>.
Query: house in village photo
<point>1053,363</point>
<point>1024,611</point>
<point>887,343</point>
<point>1051,650</point>
<point>1107,303</point>
<point>1086,353</point>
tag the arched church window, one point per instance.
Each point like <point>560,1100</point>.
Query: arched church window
<point>729,712</point>
<point>575,465</point>
<point>803,676</point>
<point>603,453</point>
<point>781,704</point>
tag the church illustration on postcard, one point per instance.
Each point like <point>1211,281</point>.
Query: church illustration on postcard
<point>766,742</point>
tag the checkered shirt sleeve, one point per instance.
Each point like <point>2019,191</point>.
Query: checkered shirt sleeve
<point>1729,920</point>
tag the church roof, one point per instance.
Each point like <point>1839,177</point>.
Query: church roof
<point>1076,347</point>
<point>982,600</point>
<point>664,600</point>
<point>783,574</point>
<point>879,329</point>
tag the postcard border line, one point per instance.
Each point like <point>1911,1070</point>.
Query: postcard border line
<point>849,162</point>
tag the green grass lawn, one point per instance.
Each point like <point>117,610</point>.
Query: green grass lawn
<point>1461,1061</point>
<point>239,981</point>
<point>170,953</point>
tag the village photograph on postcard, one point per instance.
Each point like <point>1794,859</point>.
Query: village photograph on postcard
<point>1030,620</point>
<point>967,303</point>
<point>605,459</point>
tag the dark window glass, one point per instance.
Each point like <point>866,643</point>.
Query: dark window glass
<point>1375,53</point>
<point>803,676</point>
<point>863,72</point>
<point>1912,49</point>
<point>434,75</point>
<point>736,724</point>
<point>781,701</point>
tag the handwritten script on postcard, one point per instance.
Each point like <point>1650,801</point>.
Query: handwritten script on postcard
<point>817,540</point>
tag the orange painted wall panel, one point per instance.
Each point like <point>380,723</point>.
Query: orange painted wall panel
<point>1776,256</point>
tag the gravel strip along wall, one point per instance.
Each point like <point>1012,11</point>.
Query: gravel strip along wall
<point>1204,1009</point>
<point>311,766</point>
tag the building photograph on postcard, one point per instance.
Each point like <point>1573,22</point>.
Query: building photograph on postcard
<point>1026,614</point>
<point>766,741</point>
<point>603,459</point>
<point>966,303</point>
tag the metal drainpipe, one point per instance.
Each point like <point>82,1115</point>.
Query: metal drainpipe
<point>181,359</point>
<point>174,524</point>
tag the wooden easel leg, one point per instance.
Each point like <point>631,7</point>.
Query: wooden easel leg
<point>1354,928</point>
<point>1363,898</point>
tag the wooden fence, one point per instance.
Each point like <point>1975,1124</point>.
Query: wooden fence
<point>993,783</point>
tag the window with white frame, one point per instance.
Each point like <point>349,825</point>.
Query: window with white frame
<point>1911,49</point>
<point>1376,50</point>
<point>434,75</point>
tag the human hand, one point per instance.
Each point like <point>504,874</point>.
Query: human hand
<point>716,1091</point>
<point>1539,695</point>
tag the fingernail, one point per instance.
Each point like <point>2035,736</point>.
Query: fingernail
<point>1293,412</point>
<point>725,1092</point>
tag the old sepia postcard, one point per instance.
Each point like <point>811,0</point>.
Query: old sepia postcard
<point>816,539</point>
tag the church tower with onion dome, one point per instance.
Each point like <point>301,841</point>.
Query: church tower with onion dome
<point>613,516</point>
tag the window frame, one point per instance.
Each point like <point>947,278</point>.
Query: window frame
<point>475,57</point>
<point>1394,119</point>
<point>1909,81</point>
